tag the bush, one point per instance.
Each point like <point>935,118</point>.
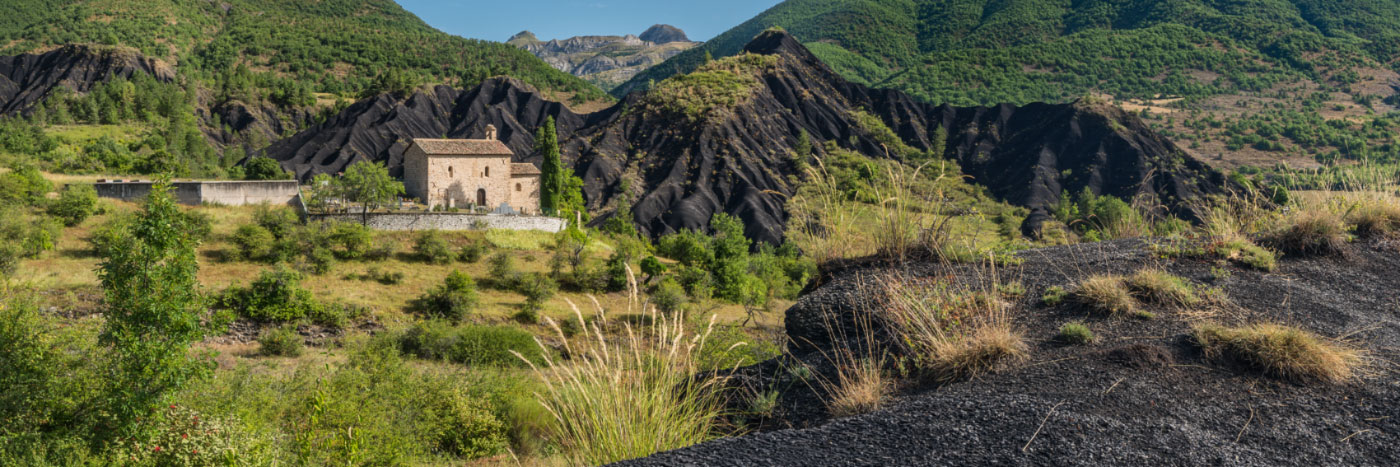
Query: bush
<point>350,241</point>
<point>253,242</point>
<point>182,436</point>
<point>1310,231</point>
<point>472,345</point>
<point>465,425</point>
<point>472,252</point>
<point>280,342</point>
<point>668,296</point>
<point>454,299</point>
<point>432,248</point>
<point>279,221</point>
<point>264,168</point>
<point>1158,286</point>
<point>501,269</point>
<point>75,204</point>
<point>274,297</point>
<point>537,288</point>
<point>320,260</point>
<point>1105,294</point>
<point>1075,333</point>
<point>1279,351</point>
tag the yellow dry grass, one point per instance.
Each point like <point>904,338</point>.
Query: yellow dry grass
<point>1280,351</point>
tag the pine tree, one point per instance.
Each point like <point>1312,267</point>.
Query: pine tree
<point>552,170</point>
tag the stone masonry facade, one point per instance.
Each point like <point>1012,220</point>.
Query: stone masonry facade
<point>474,174</point>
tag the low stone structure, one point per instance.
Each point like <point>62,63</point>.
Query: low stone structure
<point>196,192</point>
<point>446,221</point>
<point>470,173</point>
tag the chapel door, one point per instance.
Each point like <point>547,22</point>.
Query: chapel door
<point>481,197</point>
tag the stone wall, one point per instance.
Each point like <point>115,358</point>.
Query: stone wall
<point>230,193</point>
<point>448,221</point>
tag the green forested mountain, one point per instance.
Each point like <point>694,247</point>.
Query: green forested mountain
<point>991,51</point>
<point>334,46</point>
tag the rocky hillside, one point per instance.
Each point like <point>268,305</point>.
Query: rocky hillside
<point>607,60</point>
<point>1140,392</point>
<point>723,139</point>
<point>27,79</point>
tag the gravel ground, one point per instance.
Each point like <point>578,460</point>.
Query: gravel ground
<point>1140,395</point>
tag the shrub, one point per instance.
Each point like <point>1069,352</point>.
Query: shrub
<point>860,388</point>
<point>1054,295</point>
<point>331,316</point>
<point>501,269</point>
<point>1075,333</point>
<point>537,288</point>
<point>465,425</point>
<point>730,346</point>
<point>1280,351</point>
<point>75,204</point>
<point>1105,294</point>
<point>349,241</point>
<point>280,342</point>
<point>253,242</point>
<point>668,296</point>
<point>431,247</point>
<point>275,296</point>
<point>616,272</point>
<point>320,260</point>
<point>472,345</point>
<point>1159,286</point>
<point>279,221</point>
<point>652,267</point>
<point>1310,231</point>
<point>454,299</point>
<point>472,252</point>
<point>182,436</point>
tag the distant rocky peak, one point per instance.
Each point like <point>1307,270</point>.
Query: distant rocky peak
<point>523,36</point>
<point>664,34</point>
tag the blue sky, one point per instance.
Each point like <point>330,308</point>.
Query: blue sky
<point>497,20</point>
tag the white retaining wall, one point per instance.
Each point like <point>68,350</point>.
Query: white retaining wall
<point>230,193</point>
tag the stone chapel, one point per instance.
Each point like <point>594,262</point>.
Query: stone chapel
<point>474,174</point>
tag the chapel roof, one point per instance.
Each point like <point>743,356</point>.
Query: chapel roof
<point>462,147</point>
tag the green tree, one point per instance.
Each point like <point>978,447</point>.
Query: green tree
<point>154,310</point>
<point>75,204</point>
<point>264,168</point>
<point>551,170</point>
<point>731,249</point>
<point>369,184</point>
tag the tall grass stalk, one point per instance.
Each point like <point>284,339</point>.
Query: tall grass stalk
<point>950,333</point>
<point>616,400</point>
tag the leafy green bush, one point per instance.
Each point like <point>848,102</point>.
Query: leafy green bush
<point>454,299</point>
<point>537,288</point>
<point>472,345</point>
<point>730,346</point>
<point>668,296</point>
<point>472,252</point>
<point>350,241</point>
<point>279,221</point>
<point>431,247</point>
<point>466,426</point>
<point>264,168</point>
<point>75,204</point>
<point>182,436</point>
<point>282,341</point>
<point>253,242</point>
<point>275,296</point>
<point>501,269</point>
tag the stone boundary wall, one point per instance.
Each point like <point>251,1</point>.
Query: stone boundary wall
<point>447,221</point>
<point>229,193</point>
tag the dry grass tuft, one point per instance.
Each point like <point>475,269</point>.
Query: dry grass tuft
<point>1106,294</point>
<point>1309,232</point>
<point>1279,351</point>
<point>1376,218</point>
<point>950,334</point>
<point>859,388</point>
<point>1161,287</point>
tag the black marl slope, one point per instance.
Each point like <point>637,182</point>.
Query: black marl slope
<point>738,161</point>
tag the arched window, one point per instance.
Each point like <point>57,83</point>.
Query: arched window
<point>517,187</point>
<point>488,171</point>
<point>449,171</point>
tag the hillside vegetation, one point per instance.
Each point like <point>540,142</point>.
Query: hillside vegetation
<point>1233,58</point>
<point>331,46</point>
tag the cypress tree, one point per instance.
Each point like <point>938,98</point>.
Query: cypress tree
<point>552,170</point>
